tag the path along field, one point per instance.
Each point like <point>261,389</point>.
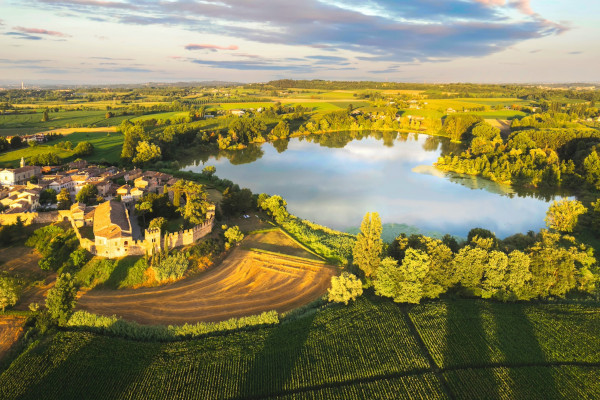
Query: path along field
<point>247,282</point>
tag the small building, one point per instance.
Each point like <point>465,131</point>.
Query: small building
<point>237,112</point>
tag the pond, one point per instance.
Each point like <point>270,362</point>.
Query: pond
<point>334,179</point>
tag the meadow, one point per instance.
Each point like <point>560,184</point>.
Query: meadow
<point>25,124</point>
<point>107,147</point>
<point>467,349</point>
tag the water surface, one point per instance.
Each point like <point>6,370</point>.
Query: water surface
<point>335,179</point>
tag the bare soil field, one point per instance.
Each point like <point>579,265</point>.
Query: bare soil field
<point>278,242</point>
<point>11,328</point>
<point>246,283</point>
<point>67,131</point>
<point>502,124</point>
<point>22,262</point>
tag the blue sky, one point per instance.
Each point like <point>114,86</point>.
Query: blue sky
<point>114,41</point>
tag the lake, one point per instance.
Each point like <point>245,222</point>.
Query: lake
<point>335,179</point>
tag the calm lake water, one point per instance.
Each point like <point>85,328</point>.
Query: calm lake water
<point>335,179</point>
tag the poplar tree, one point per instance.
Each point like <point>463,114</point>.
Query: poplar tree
<point>368,247</point>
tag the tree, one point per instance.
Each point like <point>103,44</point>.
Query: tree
<point>195,206</point>
<point>233,235</point>
<point>563,215</point>
<point>403,283</point>
<point>64,199</point>
<point>83,149</point>
<point>9,292</point>
<point>15,142</point>
<point>209,170</point>
<point>146,152</point>
<point>368,247</point>
<point>280,131</point>
<point>275,206</point>
<point>45,117</point>
<point>61,298</point>
<point>87,194</point>
<point>48,196</point>
<point>344,288</point>
<point>158,223</point>
<point>109,115</point>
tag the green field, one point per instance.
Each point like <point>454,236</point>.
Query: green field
<point>500,114</point>
<point>165,115</point>
<point>23,124</point>
<point>106,148</point>
<point>372,349</point>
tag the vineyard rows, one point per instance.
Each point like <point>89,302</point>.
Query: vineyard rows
<point>364,350</point>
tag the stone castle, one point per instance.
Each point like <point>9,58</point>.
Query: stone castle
<point>113,232</point>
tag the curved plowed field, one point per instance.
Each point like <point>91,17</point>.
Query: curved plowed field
<point>11,328</point>
<point>246,283</point>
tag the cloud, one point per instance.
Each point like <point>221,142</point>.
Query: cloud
<point>575,52</point>
<point>38,31</point>
<point>213,47</point>
<point>124,69</point>
<point>1,22</point>
<point>19,35</point>
<point>263,65</point>
<point>384,30</point>
<point>111,59</point>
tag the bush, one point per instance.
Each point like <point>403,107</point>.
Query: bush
<point>170,267</point>
<point>62,298</point>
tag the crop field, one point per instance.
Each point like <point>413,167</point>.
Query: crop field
<point>246,283</point>
<point>500,114</point>
<point>157,116</point>
<point>107,146</point>
<point>371,349</point>
<point>22,124</point>
<point>233,106</point>
<point>278,242</point>
<point>11,328</point>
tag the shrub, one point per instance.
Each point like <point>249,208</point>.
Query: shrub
<point>344,288</point>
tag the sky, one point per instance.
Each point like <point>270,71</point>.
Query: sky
<point>432,41</point>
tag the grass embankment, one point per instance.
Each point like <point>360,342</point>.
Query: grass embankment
<point>369,349</point>
<point>107,147</point>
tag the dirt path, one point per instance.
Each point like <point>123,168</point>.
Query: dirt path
<point>66,131</point>
<point>246,283</point>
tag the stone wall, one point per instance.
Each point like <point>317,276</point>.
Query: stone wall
<point>30,218</point>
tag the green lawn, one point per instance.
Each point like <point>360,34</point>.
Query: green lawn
<point>371,349</point>
<point>22,124</point>
<point>107,147</point>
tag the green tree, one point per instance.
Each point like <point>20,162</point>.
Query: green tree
<point>88,194</point>
<point>48,196</point>
<point>146,152</point>
<point>84,148</point>
<point>368,247</point>
<point>9,292</point>
<point>64,199</point>
<point>195,206</point>
<point>275,207</point>
<point>403,283</point>
<point>563,215</point>
<point>344,288</point>
<point>158,223</point>
<point>61,298</point>
<point>280,131</point>
<point>45,117</point>
<point>209,170</point>
<point>233,235</point>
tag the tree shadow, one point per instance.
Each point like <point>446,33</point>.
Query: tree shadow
<point>519,346</point>
<point>466,348</point>
<point>272,367</point>
<point>120,272</point>
<point>79,366</point>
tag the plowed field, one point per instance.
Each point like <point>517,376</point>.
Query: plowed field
<point>247,282</point>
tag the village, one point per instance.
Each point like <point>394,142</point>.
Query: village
<point>29,193</point>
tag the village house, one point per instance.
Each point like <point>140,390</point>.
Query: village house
<point>237,112</point>
<point>82,215</point>
<point>21,199</point>
<point>19,176</point>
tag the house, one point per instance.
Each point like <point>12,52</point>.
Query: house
<point>237,112</point>
<point>133,174</point>
<point>19,176</point>
<point>112,229</point>
<point>450,110</point>
<point>82,215</point>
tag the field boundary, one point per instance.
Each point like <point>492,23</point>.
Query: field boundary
<point>282,255</point>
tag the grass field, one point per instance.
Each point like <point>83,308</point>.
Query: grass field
<point>279,275</point>
<point>22,124</point>
<point>371,349</point>
<point>157,116</point>
<point>107,147</point>
<point>500,114</point>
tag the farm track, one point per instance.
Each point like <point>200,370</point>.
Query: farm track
<point>246,283</point>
